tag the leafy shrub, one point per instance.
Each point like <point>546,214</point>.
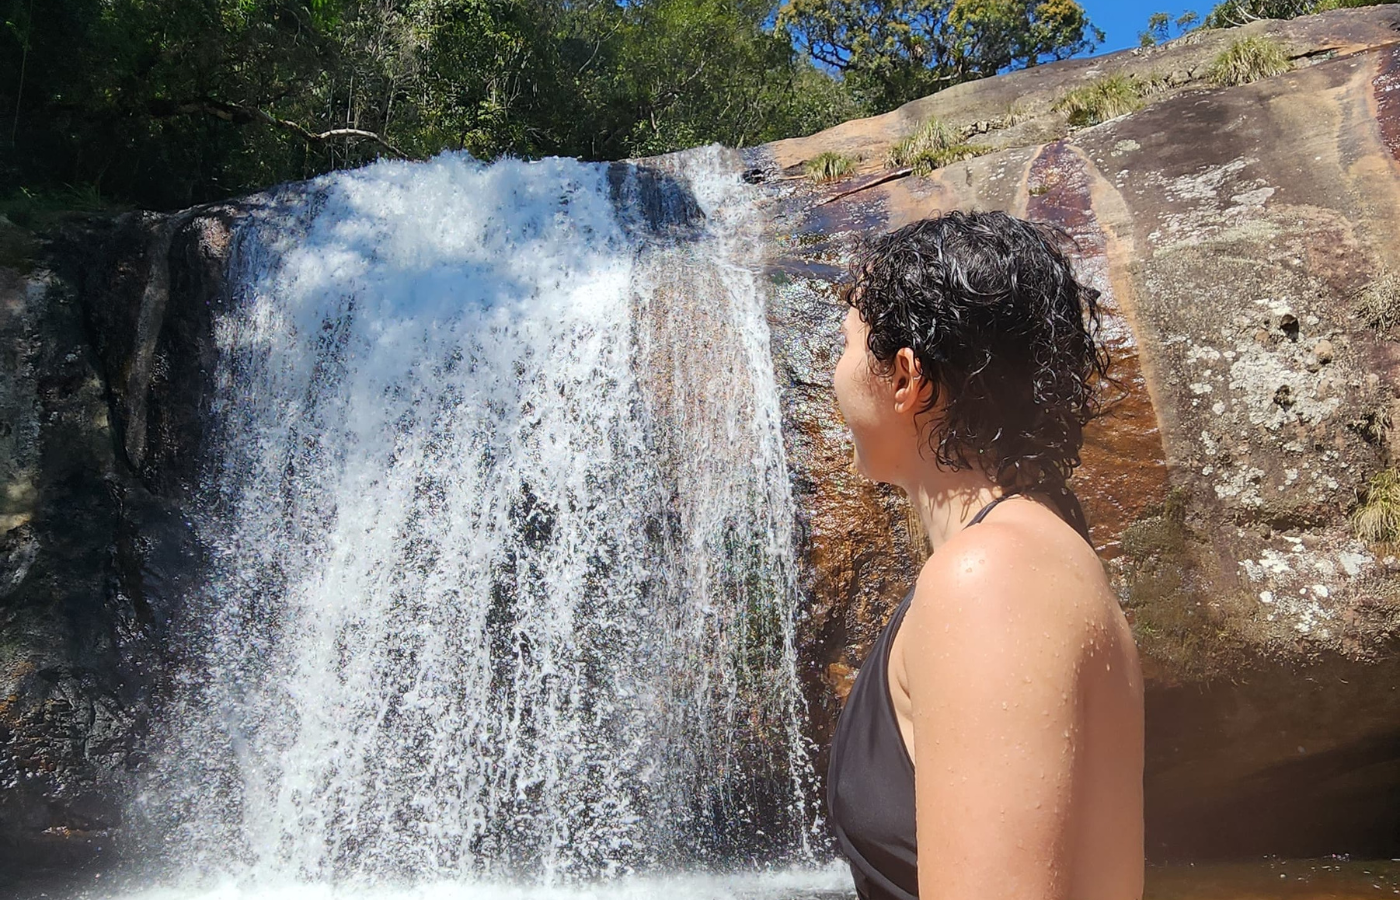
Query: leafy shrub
<point>1249,59</point>
<point>829,166</point>
<point>1099,101</point>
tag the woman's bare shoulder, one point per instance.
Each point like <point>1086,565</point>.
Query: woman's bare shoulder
<point>1012,578</point>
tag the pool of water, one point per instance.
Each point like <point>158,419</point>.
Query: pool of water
<point>1275,879</point>
<point>831,882</point>
<point>1267,879</point>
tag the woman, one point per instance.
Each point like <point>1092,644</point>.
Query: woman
<point>999,716</point>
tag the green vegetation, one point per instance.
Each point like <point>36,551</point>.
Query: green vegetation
<point>166,103</point>
<point>1192,633</point>
<point>925,163</point>
<point>1162,28</point>
<point>892,52</point>
<point>933,135</point>
<point>931,146</point>
<point>1240,12</point>
<point>829,166</point>
<point>1378,303</point>
<point>1247,60</point>
<point>1377,518</point>
<point>1101,100</point>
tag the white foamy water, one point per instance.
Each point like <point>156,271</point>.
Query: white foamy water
<point>831,882</point>
<point>501,584</point>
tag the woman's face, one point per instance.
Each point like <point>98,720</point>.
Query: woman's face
<point>866,400</point>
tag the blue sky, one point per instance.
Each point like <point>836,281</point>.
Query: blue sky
<point>1121,20</point>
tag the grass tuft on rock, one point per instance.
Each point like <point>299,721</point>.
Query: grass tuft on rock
<point>929,160</point>
<point>1378,303</point>
<point>1377,519</point>
<point>932,137</point>
<point>1247,60</point>
<point>1101,100</point>
<point>934,145</point>
<point>829,166</point>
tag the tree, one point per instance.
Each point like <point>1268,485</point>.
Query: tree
<point>1160,27</point>
<point>990,36</point>
<point>891,52</point>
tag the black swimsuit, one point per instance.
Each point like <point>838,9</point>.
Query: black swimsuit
<point>870,782</point>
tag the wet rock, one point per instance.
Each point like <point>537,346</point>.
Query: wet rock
<point>104,408</point>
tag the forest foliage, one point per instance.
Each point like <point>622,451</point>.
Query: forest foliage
<point>166,103</point>
<point>170,102</point>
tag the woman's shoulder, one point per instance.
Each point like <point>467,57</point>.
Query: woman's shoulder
<point>1017,574</point>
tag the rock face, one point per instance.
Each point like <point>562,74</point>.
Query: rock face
<point>99,420</point>
<point>1231,232</point>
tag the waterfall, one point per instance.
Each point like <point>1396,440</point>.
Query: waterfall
<point>501,577</point>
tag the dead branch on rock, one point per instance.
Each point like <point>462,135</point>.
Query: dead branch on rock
<point>244,115</point>
<point>883,179</point>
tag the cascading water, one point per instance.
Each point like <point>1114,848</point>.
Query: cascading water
<point>502,579</point>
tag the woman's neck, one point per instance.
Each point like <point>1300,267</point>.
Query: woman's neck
<point>946,500</point>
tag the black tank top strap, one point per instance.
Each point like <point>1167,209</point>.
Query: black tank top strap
<point>870,779</point>
<point>1061,497</point>
<point>981,513</point>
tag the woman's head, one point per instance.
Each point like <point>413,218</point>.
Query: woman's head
<point>970,333</point>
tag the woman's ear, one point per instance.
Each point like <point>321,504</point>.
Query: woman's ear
<point>908,381</point>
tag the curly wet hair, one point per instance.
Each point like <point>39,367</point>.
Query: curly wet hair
<point>990,305</point>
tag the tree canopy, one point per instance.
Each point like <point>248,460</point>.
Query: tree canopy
<point>891,52</point>
<point>170,102</point>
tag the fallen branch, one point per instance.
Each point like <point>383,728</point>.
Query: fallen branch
<point>883,179</point>
<point>243,115</point>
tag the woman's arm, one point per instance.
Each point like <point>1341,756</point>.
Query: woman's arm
<point>991,650</point>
